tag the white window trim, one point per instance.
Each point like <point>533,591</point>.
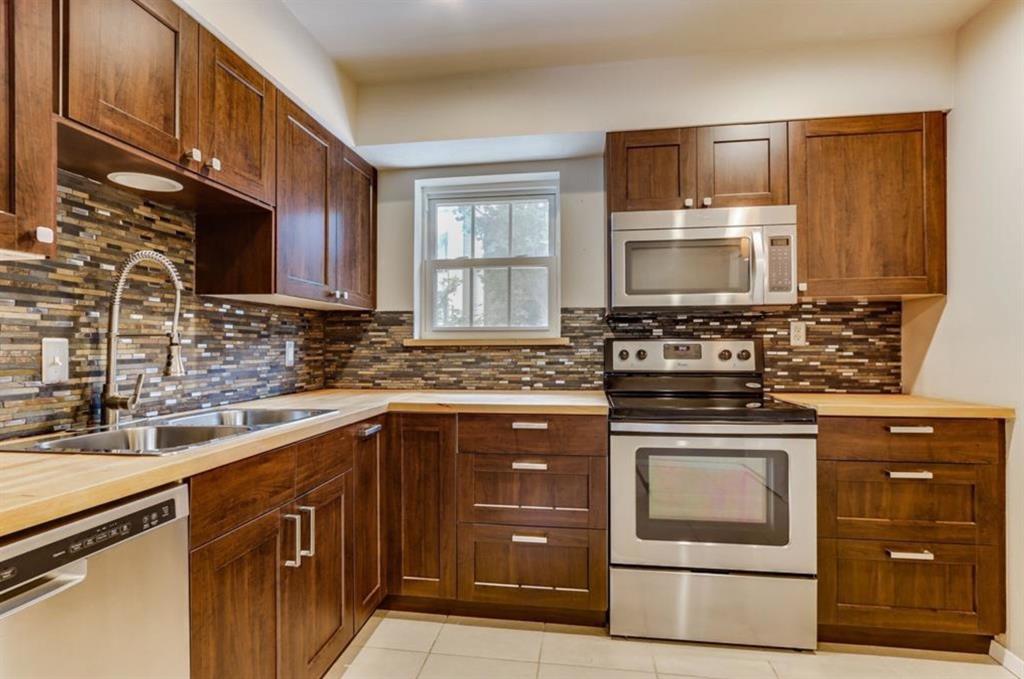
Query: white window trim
<point>425,191</point>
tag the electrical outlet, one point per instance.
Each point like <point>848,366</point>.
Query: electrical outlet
<point>54,360</point>
<point>797,334</point>
<point>289,353</point>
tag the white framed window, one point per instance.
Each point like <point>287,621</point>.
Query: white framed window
<point>487,257</point>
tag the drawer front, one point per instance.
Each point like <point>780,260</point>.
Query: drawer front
<point>516,434</point>
<point>530,566</point>
<point>910,585</point>
<point>910,440</point>
<point>322,458</point>
<point>533,490</point>
<point>958,503</point>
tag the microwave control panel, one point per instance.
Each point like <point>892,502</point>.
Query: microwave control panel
<point>780,263</point>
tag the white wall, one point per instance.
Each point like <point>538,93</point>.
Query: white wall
<point>582,221</point>
<point>838,79</point>
<point>270,36</point>
<point>976,348</point>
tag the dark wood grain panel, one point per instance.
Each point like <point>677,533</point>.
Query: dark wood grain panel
<point>517,434</point>
<point>322,458</point>
<point>368,568</point>
<point>739,165</point>
<point>357,263</point>
<point>871,438</point>
<point>651,169</point>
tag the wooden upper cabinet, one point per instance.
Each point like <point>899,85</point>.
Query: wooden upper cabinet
<point>651,169</point>
<point>357,273</point>
<point>28,143</point>
<point>307,214</point>
<point>740,165</point>
<point>871,204</point>
<point>237,114</point>
<point>131,71</point>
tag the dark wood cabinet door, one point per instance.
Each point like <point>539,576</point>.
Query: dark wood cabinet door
<point>307,216</point>
<point>533,433</point>
<point>870,193</point>
<point>131,71</point>
<point>741,165</point>
<point>234,589</point>
<point>28,142</point>
<point>369,555</point>
<point>357,267</point>
<point>237,114</point>
<point>421,507</point>
<point>317,610</point>
<point>651,169</point>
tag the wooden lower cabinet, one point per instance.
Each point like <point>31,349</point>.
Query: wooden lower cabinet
<point>368,570</point>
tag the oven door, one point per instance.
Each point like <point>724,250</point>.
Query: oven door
<point>718,502</point>
<point>687,267</point>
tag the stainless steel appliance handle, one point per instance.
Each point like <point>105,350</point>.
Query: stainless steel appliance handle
<point>370,431</point>
<point>530,425</point>
<point>922,474</point>
<point>923,555</point>
<point>531,466</point>
<point>311,511</point>
<point>52,583</point>
<point>297,561</point>
<point>531,539</point>
<point>911,430</point>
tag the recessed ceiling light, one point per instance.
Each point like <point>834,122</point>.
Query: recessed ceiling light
<point>145,182</point>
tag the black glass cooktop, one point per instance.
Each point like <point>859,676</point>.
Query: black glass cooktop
<point>704,408</point>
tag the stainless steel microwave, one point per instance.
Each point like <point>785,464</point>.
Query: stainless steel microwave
<point>740,256</point>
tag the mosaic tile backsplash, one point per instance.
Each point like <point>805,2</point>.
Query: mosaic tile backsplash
<point>233,351</point>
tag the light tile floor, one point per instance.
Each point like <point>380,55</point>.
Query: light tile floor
<point>397,645</point>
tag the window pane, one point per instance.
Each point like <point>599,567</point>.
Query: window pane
<point>530,228</point>
<point>451,298</point>
<point>490,297</point>
<point>490,232</point>
<point>454,231</point>
<point>529,297</point>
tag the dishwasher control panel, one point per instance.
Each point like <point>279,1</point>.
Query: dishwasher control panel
<point>63,549</point>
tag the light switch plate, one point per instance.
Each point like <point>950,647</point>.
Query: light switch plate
<point>289,353</point>
<point>55,360</point>
<point>797,334</point>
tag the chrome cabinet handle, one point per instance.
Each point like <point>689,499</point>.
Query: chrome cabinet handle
<point>372,430</point>
<point>531,466</point>
<point>688,202</point>
<point>923,555</point>
<point>194,154</point>
<point>911,430</point>
<point>530,425</point>
<point>344,294</point>
<point>923,474</point>
<point>44,234</point>
<point>311,511</point>
<point>297,561</point>
<point>214,164</point>
<point>707,201</point>
<point>532,539</point>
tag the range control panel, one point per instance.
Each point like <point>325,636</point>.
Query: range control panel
<point>682,356</point>
<point>31,564</point>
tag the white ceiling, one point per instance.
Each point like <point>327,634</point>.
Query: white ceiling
<point>393,40</point>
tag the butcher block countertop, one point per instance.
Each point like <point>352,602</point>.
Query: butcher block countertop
<point>39,487</point>
<point>893,405</point>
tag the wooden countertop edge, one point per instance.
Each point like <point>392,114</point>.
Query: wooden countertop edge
<point>925,407</point>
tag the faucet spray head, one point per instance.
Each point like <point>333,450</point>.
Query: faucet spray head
<point>175,365</point>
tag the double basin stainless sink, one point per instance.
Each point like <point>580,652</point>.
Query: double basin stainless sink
<point>166,435</point>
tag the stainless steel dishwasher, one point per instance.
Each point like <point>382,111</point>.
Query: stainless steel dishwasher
<point>103,594</point>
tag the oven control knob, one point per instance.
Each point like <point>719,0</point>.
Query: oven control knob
<point>724,355</point>
<point>623,355</point>
<point>641,355</point>
<point>744,355</point>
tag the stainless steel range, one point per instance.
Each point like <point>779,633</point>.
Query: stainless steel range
<point>713,510</point>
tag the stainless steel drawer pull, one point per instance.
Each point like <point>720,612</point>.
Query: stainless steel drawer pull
<point>532,539</point>
<point>923,555</point>
<point>531,466</point>
<point>370,431</point>
<point>911,430</point>
<point>530,425</point>
<point>297,561</point>
<point>311,511</point>
<point>925,475</point>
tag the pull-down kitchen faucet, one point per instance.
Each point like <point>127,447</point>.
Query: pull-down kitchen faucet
<point>113,403</point>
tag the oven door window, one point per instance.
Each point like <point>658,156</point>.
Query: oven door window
<point>714,495</point>
<point>701,266</point>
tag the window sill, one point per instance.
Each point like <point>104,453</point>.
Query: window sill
<point>508,342</point>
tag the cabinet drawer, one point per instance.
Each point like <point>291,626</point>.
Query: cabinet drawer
<point>910,585</point>
<point>530,566</point>
<point>535,490</point>
<point>322,458</point>
<point>911,501</point>
<point>555,434</point>
<point>911,440</point>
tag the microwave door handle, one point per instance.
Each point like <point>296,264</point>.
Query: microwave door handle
<point>760,268</point>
